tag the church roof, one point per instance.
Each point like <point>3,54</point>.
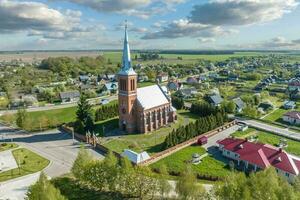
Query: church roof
<point>151,96</point>
<point>126,68</point>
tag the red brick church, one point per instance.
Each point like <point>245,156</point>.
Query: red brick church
<point>141,109</point>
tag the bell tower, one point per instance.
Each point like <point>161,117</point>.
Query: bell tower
<point>127,80</point>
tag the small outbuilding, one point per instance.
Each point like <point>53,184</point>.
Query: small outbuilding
<point>135,157</point>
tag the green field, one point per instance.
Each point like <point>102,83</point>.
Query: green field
<point>52,118</point>
<point>150,142</point>
<point>269,138</point>
<point>7,146</point>
<point>177,162</point>
<point>276,115</point>
<point>116,57</point>
<point>29,163</point>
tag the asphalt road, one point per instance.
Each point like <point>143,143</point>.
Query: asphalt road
<point>274,129</point>
<point>52,107</point>
<point>54,145</point>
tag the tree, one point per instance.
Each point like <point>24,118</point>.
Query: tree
<point>22,116</point>
<point>229,106</point>
<point>84,115</point>
<point>177,102</point>
<point>163,184</point>
<point>187,187</point>
<point>43,190</point>
<point>257,186</point>
<point>83,159</point>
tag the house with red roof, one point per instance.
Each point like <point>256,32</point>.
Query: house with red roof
<point>251,156</point>
<point>292,117</point>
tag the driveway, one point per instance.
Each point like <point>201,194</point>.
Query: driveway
<point>212,141</point>
<point>273,129</point>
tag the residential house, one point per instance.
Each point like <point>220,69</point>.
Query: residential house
<point>240,105</point>
<point>295,94</point>
<point>294,84</point>
<point>69,96</point>
<point>162,77</point>
<point>289,105</point>
<point>250,156</point>
<point>142,78</point>
<point>111,87</point>
<point>188,92</point>
<point>134,157</point>
<point>292,117</point>
<point>174,85</point>
<point>192,80</point>
<point>84,78</point>
<point>202,77</point>
<point>265,106</point>
<point>215,99</point>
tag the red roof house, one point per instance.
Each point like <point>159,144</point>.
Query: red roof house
<point>261,156</point>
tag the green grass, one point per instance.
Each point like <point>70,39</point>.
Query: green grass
<point>145,84</point>
<point>270,138</point>
<point>29,163</point>
<point>150,142</point>
<point>54,117</point>
<point>7,146</point>
<point>178,161</point>
<point>276,115</point>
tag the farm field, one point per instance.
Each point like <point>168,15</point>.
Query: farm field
<point>150,142</point>
<point>209,166</point>
<point>269,138</point>
<point>29,163</point>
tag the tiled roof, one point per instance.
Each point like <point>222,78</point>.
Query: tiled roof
<point>151,96</point>
<point>293,114</point>
<point>262,155</point>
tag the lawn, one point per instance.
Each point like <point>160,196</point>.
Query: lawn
<point>52,118</point>
<point>29,163</point>
<point>145,84</point>
<point>209,166</point>
<point>150,142</point>
<point>269,138</point>
<point>7,146</point>
<point>276,115</point>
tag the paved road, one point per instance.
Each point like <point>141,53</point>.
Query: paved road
<point>212,141</point>
<point>54,145</point>
<point>52,107</point>
<point>274,129</point>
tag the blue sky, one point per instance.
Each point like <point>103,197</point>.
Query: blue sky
<point>153,24</point>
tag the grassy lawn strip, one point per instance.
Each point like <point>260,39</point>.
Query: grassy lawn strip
<point>269,138</point>
<point>29,163</point>
<point>276,115</point>
<point>178,161</point>
<point>150,142</point>
<point>7,146</point>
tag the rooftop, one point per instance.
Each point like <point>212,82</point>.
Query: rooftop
<point>262,155</point>
<point>151,96</point>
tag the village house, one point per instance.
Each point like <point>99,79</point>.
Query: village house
<point>188,92</point>
<point>162,77</point>
<point>215,99</point>
<point>240,105</point>
<point>174,85</point>
<point>294,84</point>
<point>70,96</point>
<point>250,156</point>
<point>292,117</point>
<point>192,80</point>
<point>289,105</point>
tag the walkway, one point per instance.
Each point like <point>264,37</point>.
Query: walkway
<point>7,161</point>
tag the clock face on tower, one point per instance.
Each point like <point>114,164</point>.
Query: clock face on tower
<point>123,110</point>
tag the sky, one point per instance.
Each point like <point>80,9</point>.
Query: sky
<point>152,24</point>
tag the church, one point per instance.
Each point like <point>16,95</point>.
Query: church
<point>144,109</point>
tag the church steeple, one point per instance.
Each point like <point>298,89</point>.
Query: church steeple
<point>126,58</point>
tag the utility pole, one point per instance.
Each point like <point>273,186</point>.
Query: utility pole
<point>73,137</point>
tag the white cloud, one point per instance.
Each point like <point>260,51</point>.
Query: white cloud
<point>139,8</point>
<point>206,40</point>
<point>240,12</point>
<point>20,16</point>
<point>184,28</point>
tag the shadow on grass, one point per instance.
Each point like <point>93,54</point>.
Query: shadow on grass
<point>214,152</point>
<point>156,148</point>
<point>73,190</point>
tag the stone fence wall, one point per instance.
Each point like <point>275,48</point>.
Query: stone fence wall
<point>156,157</point>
